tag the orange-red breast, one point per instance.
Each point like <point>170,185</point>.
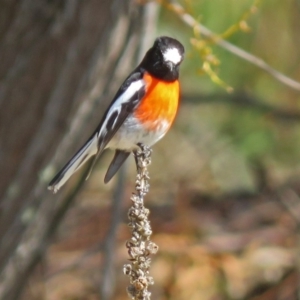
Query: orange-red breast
<point>141,112</point>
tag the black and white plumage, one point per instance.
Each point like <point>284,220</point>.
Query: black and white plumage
<point>119,128</point>
<point>124,102</point>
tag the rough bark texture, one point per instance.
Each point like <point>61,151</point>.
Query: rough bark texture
<point>59,61</point>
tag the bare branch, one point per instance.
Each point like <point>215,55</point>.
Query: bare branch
<point>260,63</point>
<point>244,100</point>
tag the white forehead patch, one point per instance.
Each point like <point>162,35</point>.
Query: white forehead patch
<point>172,55</point>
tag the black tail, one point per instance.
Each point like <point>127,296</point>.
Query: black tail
<point>89,149</point>
<point>118,160</point>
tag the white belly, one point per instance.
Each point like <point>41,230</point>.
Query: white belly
<point>132,132</point>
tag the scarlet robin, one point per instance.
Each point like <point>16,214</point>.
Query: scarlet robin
<point>141,112</point>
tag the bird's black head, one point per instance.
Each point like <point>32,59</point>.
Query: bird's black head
<point>164,58</point>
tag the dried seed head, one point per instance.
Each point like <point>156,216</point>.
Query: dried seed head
<point>152,248</point>
<point>134,252</point>
<point>131,291</point>
<point>127,269</point>
<point>140,246</point>
<point>141,283</point>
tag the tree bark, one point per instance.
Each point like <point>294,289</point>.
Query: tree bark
<point>62,62</point>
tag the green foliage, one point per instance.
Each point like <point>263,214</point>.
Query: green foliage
<point>270,33</point>
<point>250,132</point>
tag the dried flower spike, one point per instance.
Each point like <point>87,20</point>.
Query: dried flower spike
<point>139,246</point>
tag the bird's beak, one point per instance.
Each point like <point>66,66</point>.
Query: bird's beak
<point>170,65</point>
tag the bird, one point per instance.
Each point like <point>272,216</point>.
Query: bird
<point>141,112</point>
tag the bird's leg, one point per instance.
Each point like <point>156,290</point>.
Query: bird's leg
<point>135,154</point>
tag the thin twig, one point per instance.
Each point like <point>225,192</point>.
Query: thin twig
<point>243,100</point>
<point>260,63</point>
<point>139,246</point>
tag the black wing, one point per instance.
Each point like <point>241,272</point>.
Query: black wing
<point>126,99</point>
<point>124,102</point>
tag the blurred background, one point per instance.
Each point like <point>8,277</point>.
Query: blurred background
<point>224,196</point>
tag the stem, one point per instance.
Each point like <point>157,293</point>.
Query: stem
<point>139,246</point>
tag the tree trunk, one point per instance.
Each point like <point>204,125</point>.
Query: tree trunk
<point>59,61</point>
